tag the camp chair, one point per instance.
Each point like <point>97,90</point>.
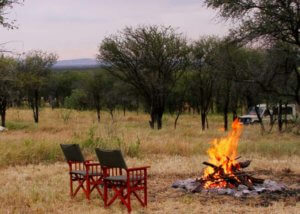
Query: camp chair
<point>88,175</point>
<point>121,179</point>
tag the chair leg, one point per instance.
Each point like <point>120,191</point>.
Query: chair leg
<point>128,198</point>
<point>105,194</point>
<point>145,193</point>
<point>88,188</point>
<point>71,186</point>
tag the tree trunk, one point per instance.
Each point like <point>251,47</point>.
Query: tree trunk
<point>280,116</point>
<point>3,112</point>
<point>137,105</point>
<point>156,117</point>
<point>98,113</point>
<point>234,114</point>
<point>124,110</point>
<point>3,118</point>
<point>259,119</point>
<point>206,122</point>
<point>159,119</point>
<point>111,112</point>
<point>203,120</point>
<point>285,115</point>
<point>225,112</point>
<point>177,117</point>
<point>225,120</point>
<point>35,106</point>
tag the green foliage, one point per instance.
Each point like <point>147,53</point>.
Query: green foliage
<point>34,69</point>
<point>78,100</point>
<point>273,19</point>
<point>8,84</point>
<point>151,59</point>
<point>4,5</point>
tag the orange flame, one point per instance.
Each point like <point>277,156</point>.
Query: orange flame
<point>223,153</point>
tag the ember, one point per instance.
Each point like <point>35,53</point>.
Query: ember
<point>223,170</point>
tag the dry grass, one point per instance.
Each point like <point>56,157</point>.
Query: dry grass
<point>26,142</point>
<point>34,180</point>
<point>43,188</point>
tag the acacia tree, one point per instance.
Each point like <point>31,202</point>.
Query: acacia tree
<point>203,75</point>
<point>151,59</point>
<point>95,88</point>
<point>279,75</point>
<point>277,20</point>
<point>33,72</point>
<point>230,62</point>
<point>7,84</point>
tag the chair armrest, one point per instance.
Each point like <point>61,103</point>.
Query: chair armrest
<point>138,168</point>
<point>93,164</point>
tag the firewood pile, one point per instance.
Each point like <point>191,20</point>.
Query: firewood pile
<point>232,179</point>
<point>235,182</point>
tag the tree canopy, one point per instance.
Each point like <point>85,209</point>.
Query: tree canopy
<point>268,19</point>
<point>151,59</point>
<point>4,4</point>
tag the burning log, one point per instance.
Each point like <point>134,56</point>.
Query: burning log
<point>211,165</point>
<point>233,179</point>
<point>244,164</point>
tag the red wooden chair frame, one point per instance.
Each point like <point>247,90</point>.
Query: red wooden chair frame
<point>121,180</point>
<point>88,173</point>
<point>134,179</point>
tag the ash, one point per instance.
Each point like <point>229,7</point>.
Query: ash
<point>268,186</point>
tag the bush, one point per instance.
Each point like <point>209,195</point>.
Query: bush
<point>78,100</point>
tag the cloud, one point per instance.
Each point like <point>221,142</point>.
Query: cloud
<point>74,28</point>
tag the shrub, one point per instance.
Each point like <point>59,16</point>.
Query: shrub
<point>78,100</point>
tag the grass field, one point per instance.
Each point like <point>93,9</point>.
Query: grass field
<point>35,180</point>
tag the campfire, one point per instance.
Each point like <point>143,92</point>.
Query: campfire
<point>224,172</point>
<point>223,169</point>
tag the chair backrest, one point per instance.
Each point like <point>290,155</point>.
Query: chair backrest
<point>111,158</point>
<point>72,152</point>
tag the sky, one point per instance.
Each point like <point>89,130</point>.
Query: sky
<point>75,28</point>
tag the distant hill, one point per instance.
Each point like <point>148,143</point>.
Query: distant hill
<point>77,63</point>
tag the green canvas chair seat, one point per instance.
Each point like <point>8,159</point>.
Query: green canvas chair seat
<point>123,178</point>
<point>82,172</point>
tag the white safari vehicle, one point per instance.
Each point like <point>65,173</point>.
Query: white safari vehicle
<point>251,118</point>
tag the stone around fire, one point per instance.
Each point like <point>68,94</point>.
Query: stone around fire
<point>191,185</point>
